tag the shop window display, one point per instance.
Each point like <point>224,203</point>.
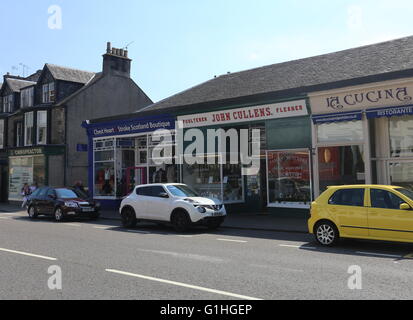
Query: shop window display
<point>401,136</point>
<point>104,168</point>
<point>289,180</point>
<point>341,166</point>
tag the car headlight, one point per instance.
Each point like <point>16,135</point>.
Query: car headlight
<point>201,209</point>
<point>71,204</point>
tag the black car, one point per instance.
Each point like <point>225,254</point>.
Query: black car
<point>61,203</point>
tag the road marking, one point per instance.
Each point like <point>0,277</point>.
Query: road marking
<point>230,240</point>
<point>103,228</point>
<point>182,236</point>
<point>180,284</point>
<point>5,218</point>
<point>28,254</point>
<point>136,231</point>
<point>297,247</point>
<point>379,254</point>
<point>72,225</point>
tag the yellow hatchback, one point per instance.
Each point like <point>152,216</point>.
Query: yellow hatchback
<point>364,212</point>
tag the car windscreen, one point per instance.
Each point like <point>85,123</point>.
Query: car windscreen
<point>406,192</point>
<point>66,194</point>
<point>182,191</point>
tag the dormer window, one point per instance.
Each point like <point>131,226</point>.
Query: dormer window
<point>49,93</point>
<point>8,103</point>
<point>27,97</point>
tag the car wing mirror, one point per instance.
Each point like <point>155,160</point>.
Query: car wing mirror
<point>163,195</point>
<point>405,206</point>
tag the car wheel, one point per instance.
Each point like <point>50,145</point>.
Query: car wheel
<point>129,218</point>
<point>58,215</point>
<point>180,221</point>
<point>326,234</point>
<point>32,212</point>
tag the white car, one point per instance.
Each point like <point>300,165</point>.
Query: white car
<point>177,204</point>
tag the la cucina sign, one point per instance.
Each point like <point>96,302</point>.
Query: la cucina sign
<point>363,97</point>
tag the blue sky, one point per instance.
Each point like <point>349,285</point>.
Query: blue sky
<point>180,43</point>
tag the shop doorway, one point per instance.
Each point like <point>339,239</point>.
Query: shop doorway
<point>135,176</point>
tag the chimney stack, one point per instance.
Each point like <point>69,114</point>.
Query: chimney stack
<point>116,61</point>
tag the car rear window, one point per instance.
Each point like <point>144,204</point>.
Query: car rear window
<point>348,197</point>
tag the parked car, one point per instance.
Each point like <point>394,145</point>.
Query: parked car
<point>61,203</point>
<point>373,212</point>
<point>177,204</point>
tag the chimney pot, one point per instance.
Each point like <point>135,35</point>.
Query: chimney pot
<point>109,47</point>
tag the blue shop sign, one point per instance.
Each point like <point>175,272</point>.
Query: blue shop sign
<point>130,126</point>
<point>337,117</point>
<point>390,112</point>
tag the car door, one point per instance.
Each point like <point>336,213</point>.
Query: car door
<point>386,220</point>
<point>50,201</point>
<point>141,202</point>
<point>159,206</point>
<point>40,200</point>
<point>348,207</point>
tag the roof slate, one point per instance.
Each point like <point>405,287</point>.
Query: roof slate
<point>371,60</point>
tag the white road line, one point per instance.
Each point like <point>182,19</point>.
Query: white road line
<point>230,240</point>
<point>297,247</point>
<point>136,231</point>
<point>379,254</point>
<point>183,236</point>
<point>103,228</point>
<point>28,254</point>
<point>72,225</point>
<point>180,284</point>
<point>5,218</point>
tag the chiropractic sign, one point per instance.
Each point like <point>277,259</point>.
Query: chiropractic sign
<point>387,94</point>
<point>256,113</point>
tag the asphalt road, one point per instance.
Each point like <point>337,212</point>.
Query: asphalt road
<point>100,260</point>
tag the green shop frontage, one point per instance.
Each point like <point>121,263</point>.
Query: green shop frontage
<point>42,165</point>
<point>283,183</point>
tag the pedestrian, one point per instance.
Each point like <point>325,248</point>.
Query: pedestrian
<point>33,187</point>
<point>79,187</point>
<point>25,192</point>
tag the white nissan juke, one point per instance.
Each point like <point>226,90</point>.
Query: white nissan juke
<point>177,204</point>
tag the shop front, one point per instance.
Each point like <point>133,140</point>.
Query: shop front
<point>121,157</point>
<point>363,135</point>
<point>36,165</point>
<point>282,130</point>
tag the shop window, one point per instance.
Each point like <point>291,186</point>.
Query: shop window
<point>233,185</point>
<point>351,131</point>
<point>341,166</point>
<point>104,168</point>
<point>401,136</point>
<point>401,174</point>
<point>289,181</point>
<point>41,127</point>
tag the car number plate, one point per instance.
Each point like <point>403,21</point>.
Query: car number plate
<point>88,209</point>
<point>217,214</point>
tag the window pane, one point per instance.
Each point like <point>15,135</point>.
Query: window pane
<point>340,131</point>
<point>41,127</point>
<point>401,174</point>
<point>348,197</point>
<point>401,136</point>
<point>1,134</point>
<point>385,200</point>
<point>289,177</point>
<point>105,179</point>
<point>341,166</point>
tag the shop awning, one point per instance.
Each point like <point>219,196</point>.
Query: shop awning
<point>390,112</point>
<point>337,117</point>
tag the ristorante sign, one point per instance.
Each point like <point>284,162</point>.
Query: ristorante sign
<point>256,113</point>
<point>362,98</point>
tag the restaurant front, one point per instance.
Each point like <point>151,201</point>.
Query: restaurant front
<point>363,135</point>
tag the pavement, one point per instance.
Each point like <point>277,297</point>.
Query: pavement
<point>252,221</point>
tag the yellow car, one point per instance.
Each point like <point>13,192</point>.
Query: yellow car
<point>373,212</point>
